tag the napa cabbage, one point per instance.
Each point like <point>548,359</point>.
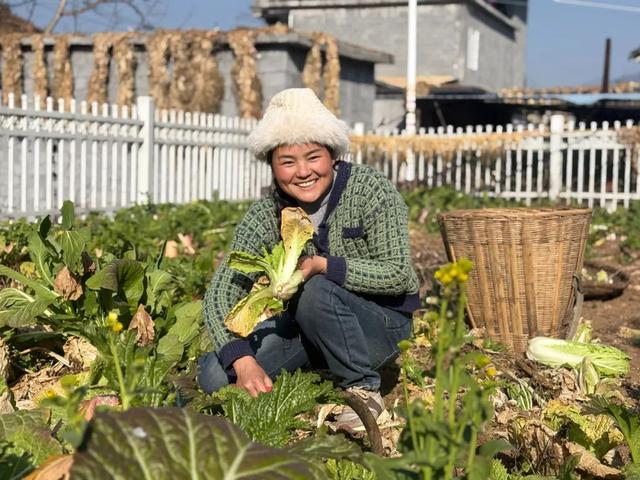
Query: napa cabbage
<point>608,361</point>
<point>280,267</point>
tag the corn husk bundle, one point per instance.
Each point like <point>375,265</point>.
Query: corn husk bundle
<point>125,57</point>
<point>11,65</point>
<point>99,79</point>
<point>182,82</point>
<point>313,71</point>
<point>195,83</point>
<point>39,68</point>
<point>158,53</point>
<point>246,83</point>
<point>209,83</point>
<point>487,145</point>
<point>62,71</point>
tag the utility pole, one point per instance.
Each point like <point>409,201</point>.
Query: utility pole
<point>410,118</point>
<point>607,65</point>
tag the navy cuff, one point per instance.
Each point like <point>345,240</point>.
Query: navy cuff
<point>233,351</point>
<point>336,269</point>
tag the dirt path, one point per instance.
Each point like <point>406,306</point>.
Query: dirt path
<point>612,319</point>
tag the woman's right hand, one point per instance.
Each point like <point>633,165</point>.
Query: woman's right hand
<point>251,376</point>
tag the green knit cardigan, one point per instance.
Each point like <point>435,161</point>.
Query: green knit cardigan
<point>368,245</point>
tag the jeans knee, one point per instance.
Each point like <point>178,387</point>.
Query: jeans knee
<point>211,376</point>
<point>311,305</point>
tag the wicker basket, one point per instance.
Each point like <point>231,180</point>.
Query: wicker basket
<point>525,262</point>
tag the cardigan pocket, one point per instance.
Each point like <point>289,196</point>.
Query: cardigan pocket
<point>353,232</point>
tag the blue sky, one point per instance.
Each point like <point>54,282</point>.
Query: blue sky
<point>565,42</point>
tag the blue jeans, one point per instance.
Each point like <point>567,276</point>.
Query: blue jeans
<point>325,326</point>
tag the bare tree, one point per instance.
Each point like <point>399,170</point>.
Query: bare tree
<point>111,14</point>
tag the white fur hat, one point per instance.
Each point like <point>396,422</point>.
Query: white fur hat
<point>295,116</point>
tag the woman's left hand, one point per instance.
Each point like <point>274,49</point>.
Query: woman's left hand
<point>312,265</point>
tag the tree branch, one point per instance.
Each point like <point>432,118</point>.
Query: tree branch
<point>56,17</point>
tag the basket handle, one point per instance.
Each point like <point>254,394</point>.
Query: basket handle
<point>577,307</point>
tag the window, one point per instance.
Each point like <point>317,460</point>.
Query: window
<point>473,49</point>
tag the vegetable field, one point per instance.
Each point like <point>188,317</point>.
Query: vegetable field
<point>101,328</point>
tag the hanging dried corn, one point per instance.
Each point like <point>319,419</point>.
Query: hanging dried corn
<point>313,73</point>
<point>182,83</point>
<point>39,68</point>
<point>485,146</point>
<point>331,76</point>
<point>11,65</point>
<point>62,70</point>
<point>99,79</point>
<point>158,51</point>
<point>246,83</point>
<point>125,57</point>
<point>209,84</point>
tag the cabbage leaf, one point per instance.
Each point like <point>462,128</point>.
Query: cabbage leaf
<point>269,293</point>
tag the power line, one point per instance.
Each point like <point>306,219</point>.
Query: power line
<point>592,4</point>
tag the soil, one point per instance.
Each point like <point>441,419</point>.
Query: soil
<point>613,319</point>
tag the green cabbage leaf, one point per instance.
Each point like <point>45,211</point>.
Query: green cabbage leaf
<point>279,266</point>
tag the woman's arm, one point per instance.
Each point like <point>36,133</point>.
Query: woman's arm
<point>384,266</point>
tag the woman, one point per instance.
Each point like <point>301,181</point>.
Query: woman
<point>360,288</point>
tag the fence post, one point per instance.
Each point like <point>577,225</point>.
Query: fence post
<point>555,158</point>
<point>146,110</point>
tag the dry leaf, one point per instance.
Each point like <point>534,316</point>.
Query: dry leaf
<point>171,249</point>
<point>143,324</point>
<point>5,359</point>
<point>67,285</point>
<point>187,243</point>
<point>89,406</point>
<point>80,353</point>
<point>88,264</point>
<point>8,248</point>
<point>588,462</point>
<point>54,468</point>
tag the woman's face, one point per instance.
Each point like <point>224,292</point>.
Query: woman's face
<point>305,172</point>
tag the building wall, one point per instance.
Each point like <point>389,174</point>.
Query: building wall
<point>501,51</point>
<point>442,38</point>
<point>385,27</point>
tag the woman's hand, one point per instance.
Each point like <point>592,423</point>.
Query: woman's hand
<point>312,265</point>
<point>251,376</point>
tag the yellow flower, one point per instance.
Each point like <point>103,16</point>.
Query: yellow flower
<point>112,318</point>
<point>117,327</point>
<point>465,265</point>
<point>446,279</point>
<point>50,394</point>
<point>482,361</point>
<point>463,277</point>
<point>491,371</point>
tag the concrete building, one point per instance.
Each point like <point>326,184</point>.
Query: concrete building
<point>475,43</point>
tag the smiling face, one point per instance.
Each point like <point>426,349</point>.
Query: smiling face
<point>305,172</point>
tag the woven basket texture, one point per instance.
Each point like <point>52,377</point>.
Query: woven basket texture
<point>525,260</point>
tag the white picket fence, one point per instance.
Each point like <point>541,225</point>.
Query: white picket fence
<point>577,163</point>
<point>105,158</point>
